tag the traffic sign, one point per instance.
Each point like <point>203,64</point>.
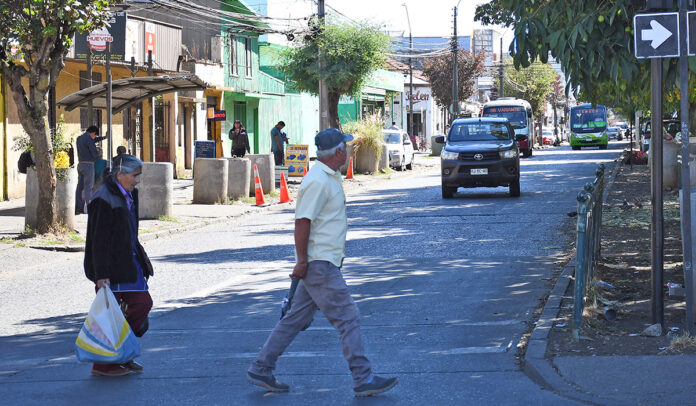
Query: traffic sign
<point>691,39</point>
<point>656,35</point>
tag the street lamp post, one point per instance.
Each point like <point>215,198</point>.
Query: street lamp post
<point>455,73</point>
<point>410,69</point>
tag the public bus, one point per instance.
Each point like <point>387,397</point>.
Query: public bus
<point>519,114</point>
<point>588,126</point>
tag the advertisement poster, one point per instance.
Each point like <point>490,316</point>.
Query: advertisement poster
<point>114,34</point>
<point>296,159</point>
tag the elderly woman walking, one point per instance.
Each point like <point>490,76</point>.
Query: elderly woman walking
<point>113,254</point>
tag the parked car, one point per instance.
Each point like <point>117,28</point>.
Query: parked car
<point>400,149</point>
<point>480,152</point>
<point>547,137</point>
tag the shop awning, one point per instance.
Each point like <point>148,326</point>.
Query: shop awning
<point>262,95</point>
<point>130,91</point>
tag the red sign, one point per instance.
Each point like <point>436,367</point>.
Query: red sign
<point>150,38</point>
<point>98,39</point>
<point>219,115</point>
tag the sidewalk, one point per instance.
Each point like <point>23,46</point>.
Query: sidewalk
<point>643,377</point>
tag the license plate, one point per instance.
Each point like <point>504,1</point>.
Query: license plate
<point>479,171</point>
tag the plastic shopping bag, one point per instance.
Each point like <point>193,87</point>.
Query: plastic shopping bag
<point>105,336</point>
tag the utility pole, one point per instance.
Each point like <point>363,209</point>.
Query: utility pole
<point>151,136</point>
<point>686,194</point>
<point>323,90</point>
<point>501,70</point>
<point>410,68</point>
<point>90,109</point>
<point>455,73</point>
<point>109,113</point>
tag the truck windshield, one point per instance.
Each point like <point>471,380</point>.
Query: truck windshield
<point>479,131</point>
<point>392,138</point>
<point>516,115</point>
<point>588,119</point>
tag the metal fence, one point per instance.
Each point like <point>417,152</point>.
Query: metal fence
<point>590,201</point>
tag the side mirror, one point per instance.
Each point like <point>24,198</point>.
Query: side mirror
<point>440,139</point>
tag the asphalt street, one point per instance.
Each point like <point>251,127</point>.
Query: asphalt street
<point>446,289</point>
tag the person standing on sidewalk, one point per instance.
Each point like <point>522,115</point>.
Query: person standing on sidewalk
<point>240,139</point>
<point>320,240</point>
<point>278,141</point>
<point>86,155</point>
<point>113,254</point>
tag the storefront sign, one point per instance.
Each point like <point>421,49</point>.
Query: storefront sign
<point>217,115</point>
<point>150,39</point>
<point>97,41</point>
<point>297,159</point>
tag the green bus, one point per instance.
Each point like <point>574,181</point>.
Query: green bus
<point>588,126</point>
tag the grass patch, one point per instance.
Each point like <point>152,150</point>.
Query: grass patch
<point>76,238</point>
<point>20,244</point>
<point>146,231</point>
<point>681,343</point>
<point>170,219</point>
<point>51,242</point>
<point>27,233</point>
<point>274,193</point>
<point>249,200</point>
<point>7,240</point>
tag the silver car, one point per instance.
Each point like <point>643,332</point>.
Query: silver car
<point>400,149</point>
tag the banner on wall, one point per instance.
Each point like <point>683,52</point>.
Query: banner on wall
<point>297,159</point>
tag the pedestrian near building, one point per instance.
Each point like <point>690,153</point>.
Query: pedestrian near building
<point>87,154</point>
<point>320,239</point>
<point>240,139</point>
<point>278,141</point>
<point>113,254</point>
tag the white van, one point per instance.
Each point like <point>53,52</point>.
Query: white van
<point>519,114</point>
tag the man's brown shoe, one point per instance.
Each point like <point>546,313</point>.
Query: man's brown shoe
<point>110,370</point>
<point>133,366</point>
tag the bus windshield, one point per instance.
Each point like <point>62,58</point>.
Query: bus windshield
<point>588,119</point>
<point>516,115</point>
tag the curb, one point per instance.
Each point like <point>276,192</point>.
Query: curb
<point>535,364</point>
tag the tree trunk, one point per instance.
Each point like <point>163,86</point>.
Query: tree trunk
<point>33,115</point>
<point>334,122</point>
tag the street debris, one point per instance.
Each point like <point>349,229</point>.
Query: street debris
<point>654,330</point>
<point>561,325</point>
<point>605,285</point>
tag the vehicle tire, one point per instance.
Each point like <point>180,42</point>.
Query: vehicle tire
<point>575,147</point>
<point>531,151</point>
<point>526,153</point>
<point>410,165</point>
<point>402,167</point>
<point>603,146</point>
<point>448,192</point>
<point>515,188</point>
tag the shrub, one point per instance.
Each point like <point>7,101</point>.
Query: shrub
<point>368,135</point>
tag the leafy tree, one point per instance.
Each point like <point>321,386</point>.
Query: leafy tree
<point>534,84</point>
<point>438,70</point>
<point>351,54</point>
<point>35,36</point>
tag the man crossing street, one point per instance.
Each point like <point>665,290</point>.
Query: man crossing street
<point>320,239</point>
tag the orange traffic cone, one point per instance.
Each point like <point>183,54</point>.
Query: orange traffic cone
<point>349,172</point>
<point>258,189</point>
<point>284,195</point>
<point>304,171</point>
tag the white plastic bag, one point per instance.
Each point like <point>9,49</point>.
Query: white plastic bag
<point>105,336</point>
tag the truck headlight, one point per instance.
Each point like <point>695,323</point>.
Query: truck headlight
<point>510,153</point>
<point>449,155</point>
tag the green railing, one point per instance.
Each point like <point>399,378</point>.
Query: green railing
<point>589,225</point>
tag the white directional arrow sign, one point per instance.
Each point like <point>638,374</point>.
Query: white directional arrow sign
<point>657,34</point>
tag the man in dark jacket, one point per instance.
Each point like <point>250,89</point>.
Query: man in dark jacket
<point>86,155</point>
<point>113,254</point>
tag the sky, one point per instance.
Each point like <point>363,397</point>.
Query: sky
<point>428,17</point>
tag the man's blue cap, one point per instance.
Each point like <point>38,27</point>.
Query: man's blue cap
<point>330,137</point>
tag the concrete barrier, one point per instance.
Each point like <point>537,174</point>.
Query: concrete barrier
<point>65,199</point>
<point>266,165</point>
<point>238,175</point>
<point>210,180</point>
<point>670,152</point>
<point>156,191</point>
<point>384,159</point>
<point>435,147</point>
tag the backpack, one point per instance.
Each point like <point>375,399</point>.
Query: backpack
<point>24,162</point>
